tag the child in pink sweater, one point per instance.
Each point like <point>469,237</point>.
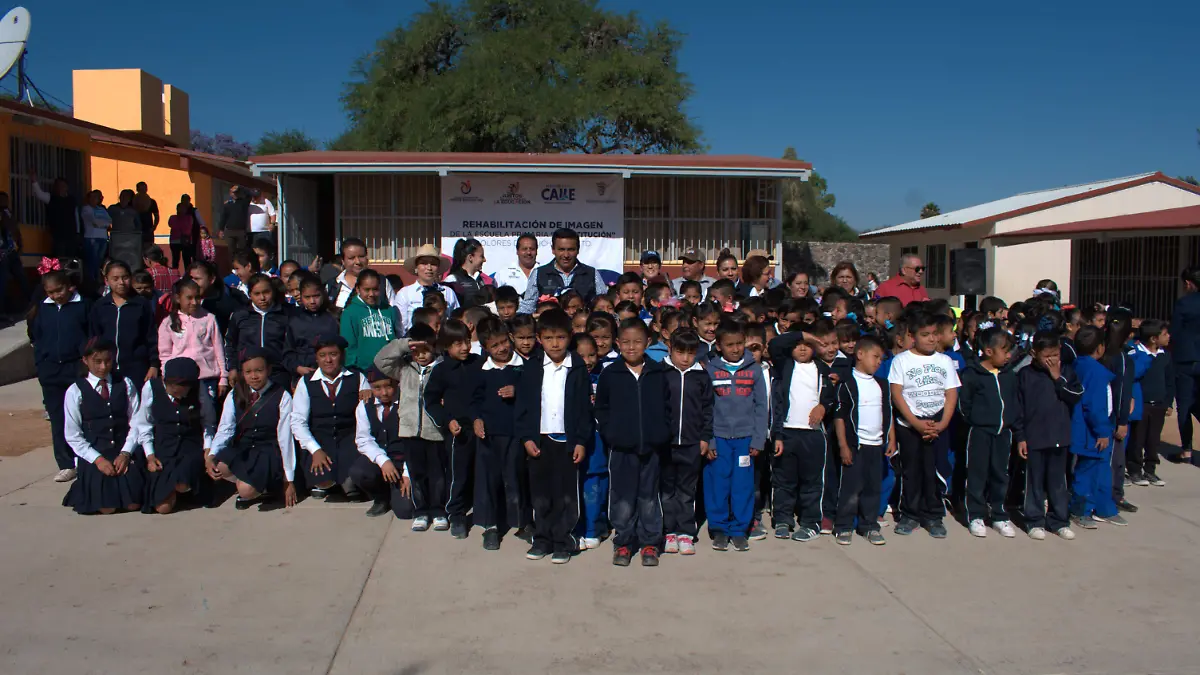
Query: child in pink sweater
<point>191,331</point>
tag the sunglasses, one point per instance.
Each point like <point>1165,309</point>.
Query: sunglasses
<point>918,269</point>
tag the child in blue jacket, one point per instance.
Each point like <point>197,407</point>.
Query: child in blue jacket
<point>1092,435</point>
<point>1117,336</point>
<point>58,329</point>
<point>593,526</point>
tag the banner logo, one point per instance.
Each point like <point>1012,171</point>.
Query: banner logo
<point>513,195</point>
<point>465,187</point>
<point>558,194</point>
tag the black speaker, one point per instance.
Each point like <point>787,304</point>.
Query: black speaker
<point>968,271</point>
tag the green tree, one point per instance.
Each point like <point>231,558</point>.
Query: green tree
<point>280,142</point>
<point>806,205</point>
<point>521,76</point>
<point>1190,179</point>
<point>930,210</point>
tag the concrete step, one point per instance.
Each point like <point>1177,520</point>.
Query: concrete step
<point>16,354</point>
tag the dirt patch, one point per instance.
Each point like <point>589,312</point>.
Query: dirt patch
<point>22,431</point>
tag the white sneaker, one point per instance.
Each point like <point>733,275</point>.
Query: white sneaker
<point>64,476</point>
<point>1005,528</point>
<point>441,524</point>
<point>588,543</point>
<point>977,528</point>
<point>1066,533</point>
<point>420,524</point>
<point>671,544</point>
<point>686,545</point>
<point>1037,533</point>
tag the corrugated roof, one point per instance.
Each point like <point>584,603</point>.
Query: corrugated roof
<point>337,161</point>
<point>1026,202</point>
<point>1184,217</point>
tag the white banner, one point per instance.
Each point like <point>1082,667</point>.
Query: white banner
<point>496,209</point>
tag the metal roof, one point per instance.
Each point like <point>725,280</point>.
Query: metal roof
<point>1185,217</point>
<point>474,162</point>
<point>1026,202</point>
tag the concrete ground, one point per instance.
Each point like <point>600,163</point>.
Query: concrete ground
<point>323,589</point>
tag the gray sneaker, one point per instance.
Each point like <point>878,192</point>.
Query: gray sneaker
<point>1117,520</point>
<point>805,534</point>
<point>782,532</point>
<point>875,537</point>
<point>844,538</point>
<point>1139,479</point>
<point>1086,522</point>
<point>1154,480</point>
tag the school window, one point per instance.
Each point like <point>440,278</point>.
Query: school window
<point>48,162</point>
<point>908,250</point>
<point>935,266</point>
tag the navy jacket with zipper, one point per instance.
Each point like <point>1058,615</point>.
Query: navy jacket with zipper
<point>577,402</point>
<point>58,335</point>
<point>632,413</point>
<point>222,302</point>
<point>131,327</point>
<point>847,408</point>
<point>1045,406</point>
<point>449,392</point>
<point>690,403</point>
<point>496,413</point>
<point>303,328</point>
<point>783,365</point>
<point>248,328</point>
<point>1121,366</point>
<point>1185,329</point>
<point>1158,384</point>
<point>987,400</point>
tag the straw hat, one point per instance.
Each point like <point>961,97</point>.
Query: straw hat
<point>427,251</point>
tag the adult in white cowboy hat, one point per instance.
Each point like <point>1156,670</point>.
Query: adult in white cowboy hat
<point>428,266</point>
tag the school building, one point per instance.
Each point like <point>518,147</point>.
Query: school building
<point>1121,240</point>
<point>126,127</point>
<point>621,204</point>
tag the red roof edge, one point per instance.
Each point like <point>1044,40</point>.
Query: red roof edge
<point>1163,219</point>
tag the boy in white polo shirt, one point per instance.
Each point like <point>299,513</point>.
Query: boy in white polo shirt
<point>865,433</point>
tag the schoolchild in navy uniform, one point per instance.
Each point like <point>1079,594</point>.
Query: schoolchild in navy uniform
<point>827,351</point>
<point>448,401</point>
<point>58,329</point>
<point>262,325</point>
<point>380,470</point>
<point>803,392</point>
<point>1072,321</point>
<point>866,437</point>
<point>989,406</point>
<point>1125,372</point>
<point>99,410</point>
<point>593,526</point>
<point>308,320</point>
<point>323,421</point>
<point>1158,395</point>
<point>411,361</point>
<point>1092,423</point>
<point>254,446</point>
<point>128,321</point>
<point>1047,391</point>
<point>171,431</point>
<point>690,419</point>
<point>554,423</point>
<point>215,296</point>
<point>500,501</point>
<point>603,329</point>
<point>632,416</point>
<point>704,319</point>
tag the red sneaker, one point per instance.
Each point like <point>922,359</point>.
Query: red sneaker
<point>826,526</point>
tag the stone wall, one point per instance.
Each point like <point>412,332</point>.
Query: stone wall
<point>817,258</point>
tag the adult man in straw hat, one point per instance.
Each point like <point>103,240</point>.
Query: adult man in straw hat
<point>428,265</point>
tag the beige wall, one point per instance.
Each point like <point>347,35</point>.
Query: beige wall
<point>1013,271</point>
<point>177,123</point>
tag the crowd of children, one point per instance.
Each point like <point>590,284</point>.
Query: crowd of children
<point>642,416</point>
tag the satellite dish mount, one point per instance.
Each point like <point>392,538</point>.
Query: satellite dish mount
<point>14,34</point>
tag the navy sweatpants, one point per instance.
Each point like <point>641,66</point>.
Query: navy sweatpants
<point>634,502</point>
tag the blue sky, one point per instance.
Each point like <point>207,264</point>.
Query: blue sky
<point>895,103</point>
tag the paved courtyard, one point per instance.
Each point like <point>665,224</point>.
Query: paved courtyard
<point>323,589</point>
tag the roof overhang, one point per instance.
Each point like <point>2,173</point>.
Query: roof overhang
<point>1146,223</point>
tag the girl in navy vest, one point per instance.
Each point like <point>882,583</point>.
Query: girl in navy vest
<point>323,417</point>
<point>58,329</point>
<point>309,319</point>
<point>262,325</point>
<point>173,435</point>
<point>603,329</point>
<point>98,410</point>
<point>254,446</point>
<point>127,320</point>
<point>380,470</point>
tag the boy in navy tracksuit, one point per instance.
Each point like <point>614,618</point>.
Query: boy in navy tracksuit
<point>448,401</point>
<point>1157,395</point>
<point>631,414</point>
<point>500,502</point>
<point>690,417</point>
<point>58,331</point>
<point>554,423</point>
<point>1125,372</point>
<point>866,437</point>
<point>739,432</point>
<point>1047,392</point>
<point>988,402</point>
<point>1092,424</point>
<point>803,393</point>
<point>840,368</point>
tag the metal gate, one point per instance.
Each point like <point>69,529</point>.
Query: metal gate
<point>1141,273</point>
<point>298,213</point>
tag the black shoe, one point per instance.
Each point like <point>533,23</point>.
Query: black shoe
<point>458,529</point>
<point>242,504</point>
<point>905,526</point>
<point>560,558</point>
<point>844,538</point>
<point>783,532</point>
<point>622,556</point>
<point>318,493</point>
<point>537,551</point>
<point>491,539</point>
<point>936,529</point>
<point>379,508</point>
<point>1139,479</point>
<point>720,542</point>
<point>650,555</point>
<point>741,544</point>
<point>1154,479</point>
<point>1126,506</point>
<point>525,534</point>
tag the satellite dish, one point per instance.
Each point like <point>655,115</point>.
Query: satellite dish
<point>14,31</point>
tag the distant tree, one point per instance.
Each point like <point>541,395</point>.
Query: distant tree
<point>280,142</point>
<point>46,105</point>
<point>806,205</point>
<point>521,76</point>
<point>221,144</point>
<point>1190,179</point>
<point>930,210</point>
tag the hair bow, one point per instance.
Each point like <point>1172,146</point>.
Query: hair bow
<point>1046,291</point>
<point>670,302</point>
<point>984,325</point>
<point>547,298</point>
<point>49,265</point>
<point>727,306</point>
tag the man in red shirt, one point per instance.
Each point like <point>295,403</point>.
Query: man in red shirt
<point>907,284</point>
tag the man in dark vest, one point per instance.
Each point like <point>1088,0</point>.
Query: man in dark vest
<point>564,272</point>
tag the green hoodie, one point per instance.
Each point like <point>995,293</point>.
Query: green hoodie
<point>366,330</point>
